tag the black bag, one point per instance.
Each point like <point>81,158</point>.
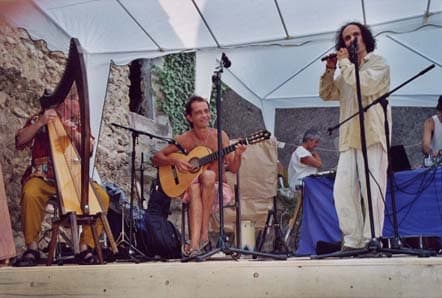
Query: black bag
<point>156,235</point>
<point>159,202</point>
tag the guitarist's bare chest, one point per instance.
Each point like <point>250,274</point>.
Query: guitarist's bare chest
<point>192,141</point>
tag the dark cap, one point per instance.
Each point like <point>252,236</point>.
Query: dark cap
<point>46,92</point>
<point>44,99</point>
<point>439,104</point>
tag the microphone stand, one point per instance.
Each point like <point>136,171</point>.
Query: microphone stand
<point>376,101</point>
<point>152,136</point>
<point>135,134</point>
<point>396,244</point>
<point>222,245</point>
<point>374,244</point>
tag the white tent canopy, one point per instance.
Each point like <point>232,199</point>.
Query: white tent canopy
<point>274,45</point>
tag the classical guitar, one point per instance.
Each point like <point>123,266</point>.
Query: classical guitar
<point>174,183</point>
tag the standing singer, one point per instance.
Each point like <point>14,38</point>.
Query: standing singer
<point>350,183</point>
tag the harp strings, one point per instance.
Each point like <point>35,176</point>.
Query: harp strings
<point>68,118</point>
<point>73,124</point>
<point>69,113</point>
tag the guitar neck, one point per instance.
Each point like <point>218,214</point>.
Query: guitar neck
<point>215,155</point>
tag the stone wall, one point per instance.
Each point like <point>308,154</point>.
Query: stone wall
<point>27,67</point>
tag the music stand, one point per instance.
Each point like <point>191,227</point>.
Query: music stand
<point>222,244</point>
<point>374,246</point>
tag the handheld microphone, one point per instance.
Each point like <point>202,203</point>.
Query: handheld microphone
<point>226,62</point>
<point>332,55</point>
<point>355,43</point>
<point>353,50</point>
<point>353,47</point>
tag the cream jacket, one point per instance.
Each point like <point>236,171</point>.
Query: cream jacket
<point>374,77</point>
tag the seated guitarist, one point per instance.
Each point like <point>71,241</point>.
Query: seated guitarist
<point>202,194</point>
<point>39,180</point>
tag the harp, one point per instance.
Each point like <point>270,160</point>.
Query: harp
<point>71,160</point>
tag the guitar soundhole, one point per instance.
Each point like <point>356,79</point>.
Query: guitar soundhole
<point>195,165</point>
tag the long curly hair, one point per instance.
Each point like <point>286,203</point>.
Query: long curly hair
<point>367,36</point>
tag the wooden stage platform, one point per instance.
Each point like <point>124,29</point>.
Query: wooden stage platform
<point>397,276</point>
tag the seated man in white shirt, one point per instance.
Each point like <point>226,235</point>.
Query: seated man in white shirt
<point>304,160</point>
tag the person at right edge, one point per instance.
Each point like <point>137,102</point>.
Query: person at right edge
<point>350,183</point>
<point>432,137</point>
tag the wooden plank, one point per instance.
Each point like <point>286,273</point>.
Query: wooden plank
<point>372,277</point>
<point>7,245</point>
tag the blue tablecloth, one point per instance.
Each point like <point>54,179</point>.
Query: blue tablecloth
<point>418,196</point>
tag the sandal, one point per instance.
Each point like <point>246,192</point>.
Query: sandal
<point>188,253</point>
<point>29,258</point>
<point>86,257</point>
<point>205,246</point>
<point>185,250</point>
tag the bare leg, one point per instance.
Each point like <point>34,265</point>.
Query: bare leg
<point>207,180</point>
<point>195,218</point>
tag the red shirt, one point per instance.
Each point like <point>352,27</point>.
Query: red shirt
<point>41,161</point>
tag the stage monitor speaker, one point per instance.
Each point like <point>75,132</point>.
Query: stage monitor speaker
<point>399,159</point>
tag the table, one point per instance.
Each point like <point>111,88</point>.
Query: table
<point>418,196</point>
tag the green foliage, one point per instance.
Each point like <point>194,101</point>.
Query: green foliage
<point>176,81</point>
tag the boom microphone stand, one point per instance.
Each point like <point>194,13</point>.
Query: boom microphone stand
<point>396,245</point>
<point>222,245</point>
<point>374,246</point>
<point>135,134</point>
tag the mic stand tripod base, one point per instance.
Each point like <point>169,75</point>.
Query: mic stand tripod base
<point>422,253</point>
<point>397,248</point>
<point>373,249</point>
<point>131,253</point>
<point>235,253</point>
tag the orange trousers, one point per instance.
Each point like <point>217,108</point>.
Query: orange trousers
<point>35,195</point>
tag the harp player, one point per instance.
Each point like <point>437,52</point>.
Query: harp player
<point>38,181</point>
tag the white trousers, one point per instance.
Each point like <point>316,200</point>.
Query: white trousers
<point>350,185</point>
